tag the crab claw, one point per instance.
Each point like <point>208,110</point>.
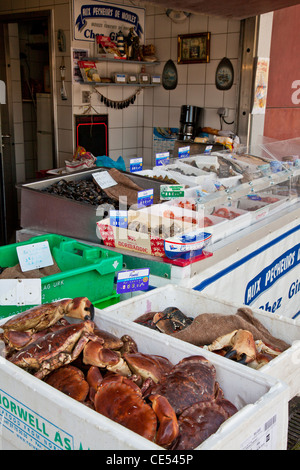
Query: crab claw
<point>168,425</point>
<point>233,354</point>
<point>95,354</point>
<point>81,308</point>
<point>239,345</point>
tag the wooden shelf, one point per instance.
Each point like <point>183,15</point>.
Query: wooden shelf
<point>139,85</point>
<point>122,61</point>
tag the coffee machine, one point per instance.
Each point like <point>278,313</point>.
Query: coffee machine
<point>191,122</point>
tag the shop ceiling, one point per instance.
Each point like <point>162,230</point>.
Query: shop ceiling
<point>235,9</point>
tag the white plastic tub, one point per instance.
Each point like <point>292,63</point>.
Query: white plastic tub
<point>260,209</point>
<point>36,416</point>
<point>189,173</point>
<point>161,172</point>
<point>218,229</point>
<point>285,367</point>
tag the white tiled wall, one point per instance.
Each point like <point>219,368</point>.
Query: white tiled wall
<point>196,82</point>
<point>130,129</point>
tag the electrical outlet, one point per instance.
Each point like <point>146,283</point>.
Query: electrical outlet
<point>223,112</point>
<point>86,96</point>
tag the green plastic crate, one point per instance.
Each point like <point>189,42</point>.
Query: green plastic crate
<point>86,271</point>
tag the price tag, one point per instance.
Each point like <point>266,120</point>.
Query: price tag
<point>118,218</point>
<point>254,197</point>
<point>104,179</point>
<point>145,198</point>
<point>162,158</point>
<point>20,292</point>
<point>133,280</point>
<point>168,191</point>
<point>34,256</point>
<point>208,149</point>
<point>136,164</point>
<point>184,152</point>
<point>224,171</point>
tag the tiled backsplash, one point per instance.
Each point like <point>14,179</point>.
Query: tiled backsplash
<point>131,129</point>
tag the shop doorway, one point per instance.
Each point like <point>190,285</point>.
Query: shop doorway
<point>25,68</point>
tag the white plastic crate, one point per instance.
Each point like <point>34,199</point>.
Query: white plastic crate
<point>285,367</point>
<point>36,416</point>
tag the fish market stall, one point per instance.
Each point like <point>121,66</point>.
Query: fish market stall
<point>212,238</point>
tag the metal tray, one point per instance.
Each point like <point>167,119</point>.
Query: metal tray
<point>50,213</point>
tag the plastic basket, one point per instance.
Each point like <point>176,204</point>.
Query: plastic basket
<point>86,271</point>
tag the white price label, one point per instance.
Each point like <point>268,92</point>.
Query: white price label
<point>34,256</point>
<point>104,179</point>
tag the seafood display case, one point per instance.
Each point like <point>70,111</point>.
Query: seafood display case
<point>249,219</point>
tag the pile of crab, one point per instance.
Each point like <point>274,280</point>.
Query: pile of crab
<point>177,406</point>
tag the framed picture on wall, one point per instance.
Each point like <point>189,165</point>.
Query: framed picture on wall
<point>193,48</point>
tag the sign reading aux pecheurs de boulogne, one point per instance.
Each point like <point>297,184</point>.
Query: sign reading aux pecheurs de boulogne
<point>94,17</point>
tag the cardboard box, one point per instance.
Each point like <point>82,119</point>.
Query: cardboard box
<point>148,242</point>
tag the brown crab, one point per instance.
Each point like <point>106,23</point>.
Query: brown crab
<point>197,399</point>
<point>148,365</point>
<point>55,349</point>
<point>190,381</point>
<point>169,321</point>
<point>120,399</point>
<point>25,327</point>
<point>199,421</point>
<point>69,380</point>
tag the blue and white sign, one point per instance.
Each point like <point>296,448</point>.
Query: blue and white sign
<point>94,17</point>
<point>268,276</point>
<point>208,149</point>
<point>136,164</point>
<point>118,218</point>
<point>133,280</point>
<point>162,158</point>
<point>184,152</point>
<point>145,198</point>
<point>265,277</point>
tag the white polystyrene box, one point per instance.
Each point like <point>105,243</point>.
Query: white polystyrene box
<point>191,174</point>
<point>285,367</point>
<point>35,415</point>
